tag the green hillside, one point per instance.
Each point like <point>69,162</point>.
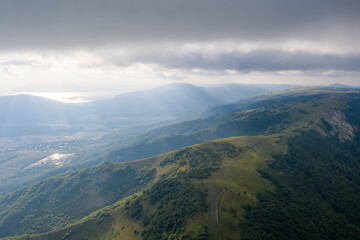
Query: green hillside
<point>318,192</point>
<point>189,183</point>
<point>260,115</point>
<point>299,178</point>
<point>61,200</point>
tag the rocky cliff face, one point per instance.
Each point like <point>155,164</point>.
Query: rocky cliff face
<point>335,124</point>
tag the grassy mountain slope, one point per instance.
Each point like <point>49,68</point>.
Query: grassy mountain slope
<point>32,128</point>
<point>300,181</point>
<point>189,183</point>
<point>317,182</point>
<point>263,115</point>
<point>64,199</point>
<point>155,142</point>
<point>318,192</point>
<point>265,188</point>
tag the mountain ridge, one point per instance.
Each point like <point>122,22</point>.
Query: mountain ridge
<point>234,182</point>
<point>22,112</point>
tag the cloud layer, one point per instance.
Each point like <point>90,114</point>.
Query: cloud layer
<point>115,42</point>
<point>261,60</point>
<point>84,23</point>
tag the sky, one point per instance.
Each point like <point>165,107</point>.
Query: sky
<point>82,49</point>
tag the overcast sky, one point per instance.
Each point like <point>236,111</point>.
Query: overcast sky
<point>108,46</point>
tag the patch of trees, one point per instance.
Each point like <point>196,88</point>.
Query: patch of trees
<point>317,192</point>
<point>203,160</point>
<point>177,200</point>
<point>208,154</point>
<point>60,201</point>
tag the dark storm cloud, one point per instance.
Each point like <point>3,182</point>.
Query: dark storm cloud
<point>34,24</point>
<point>259,60</point>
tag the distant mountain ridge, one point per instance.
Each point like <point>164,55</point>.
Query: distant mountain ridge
<point>176,99</point>
<point>30,115</point>
<point>25,115</point>
<point>339,85</point>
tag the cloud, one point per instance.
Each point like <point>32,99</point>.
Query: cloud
<point>17,63</point>
<point>137,42</point>
<point>42,24</point>
<point>262,60</point>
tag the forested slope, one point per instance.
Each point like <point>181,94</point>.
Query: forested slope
<point>298,178</point>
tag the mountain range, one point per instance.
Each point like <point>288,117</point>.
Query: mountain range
<point>276,166</point>
<point>339,85</point>
<point>31,115</point>
<point>35,128</point>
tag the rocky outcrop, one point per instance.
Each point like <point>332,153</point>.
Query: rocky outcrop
<point>335,124</point>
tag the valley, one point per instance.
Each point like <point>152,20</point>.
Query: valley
<point>265,171</point>
<point>92,130</point>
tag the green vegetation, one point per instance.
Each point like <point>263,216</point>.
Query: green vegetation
<point>263,115</point>
<point>237,124</point>
<point>177,201</point>
<point>317,192</point>
<point>297,179</point>
<point>202,161</point>
<point>59,201</point>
